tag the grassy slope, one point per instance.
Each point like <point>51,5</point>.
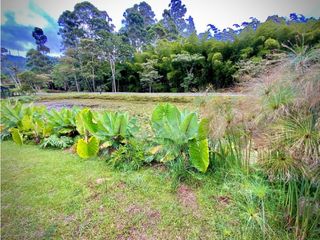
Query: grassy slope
<point>51,193</point>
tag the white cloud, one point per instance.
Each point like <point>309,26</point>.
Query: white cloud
<point>222,13</point>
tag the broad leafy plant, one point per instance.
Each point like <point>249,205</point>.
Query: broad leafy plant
<point>63,122</point>
<point>24,122</point>
<point>55,141</point>
<point>108,127</point>
<point>181,135</point>
<point>11,115</point>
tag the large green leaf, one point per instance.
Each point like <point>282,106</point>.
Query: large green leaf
<point>86,149</point>
<point>80,124</point>
<point>84,121</point>
<point>203,129</point>
<point>166,120</point>
<point>199,154</point>
<point>189,126</point>
<point>166,111</point>
<point>11,115</point>
<point>16,136</point>
<point>26,123</point>
<point>87,118</point>
<point>121,123</point>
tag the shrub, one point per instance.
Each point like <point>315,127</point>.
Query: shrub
<point>271,44</point>
<point>181,135</point>
<point>129,156</point>
<point>106,126</point>
<point>57,142</point>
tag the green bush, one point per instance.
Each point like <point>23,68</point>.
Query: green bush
<point>57,142</point>
<point>271,44</point>
<point>181,135</point>
<point>130,156</point>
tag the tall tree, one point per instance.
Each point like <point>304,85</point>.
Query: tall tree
<point>41,40</point>
<point>113,50</point>
<point>169,24</point>
<point>176,13</point>
<point>89,54</point>
<point>38,62</point>
<point>190,29</point>
<point>137,20</point>
<point>66,72</point>
<point>85,21</point>
<point>11,68</point>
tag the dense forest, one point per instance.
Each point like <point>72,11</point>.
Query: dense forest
<point>147,55</point>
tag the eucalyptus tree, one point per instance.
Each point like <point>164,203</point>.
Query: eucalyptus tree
<point>66,72</point>
<point>41,40</point>
<point>10,68</point>
<point>38,63</point>
<point>85,21</point>
<point>113,49</point>
<point>90,61</point>
<point>136,23</point>
<point>174,19</point>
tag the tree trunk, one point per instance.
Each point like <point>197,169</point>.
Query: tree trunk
<point>93,77</point>
<point>150,88</point>
<point>15,80</point>
<point>93,81</point>
<point>113,72</point>
<point>77,84</point>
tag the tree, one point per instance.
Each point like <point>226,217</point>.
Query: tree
<point>149,75</point>
<point>65,72</point>
<point>114,50</point>
<point>85,21</point>
<point>188,62</point>
<point>71,64</point>
<point>177,12</point>
<point>169,25</point>
<point>190,29</point>
<point>156,32</point>
<point>89,54</point>
<point>32,82</point>
<point>38,62</point>
<point>11,68</point>
<point>176,15</point>
<point>137,20</point>
<point>41,40</point>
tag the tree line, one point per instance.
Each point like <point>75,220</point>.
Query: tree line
<point>150,55</point>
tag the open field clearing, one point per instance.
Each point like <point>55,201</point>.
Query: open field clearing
<point>51,194</point>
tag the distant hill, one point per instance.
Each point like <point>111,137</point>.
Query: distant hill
<point>13,60</point>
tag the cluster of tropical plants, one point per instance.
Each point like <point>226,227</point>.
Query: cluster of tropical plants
<point>179,136</point>
<point>270,141</point>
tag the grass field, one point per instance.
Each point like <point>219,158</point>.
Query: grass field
<point>52,194</point>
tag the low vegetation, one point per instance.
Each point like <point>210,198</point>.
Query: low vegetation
<point>181,166</point>
<point>265,146</point>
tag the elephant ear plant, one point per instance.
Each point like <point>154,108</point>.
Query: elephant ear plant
<point>181,136</point>
<point>63,122</point>
<point>110,128</point>
<point>24,122</point>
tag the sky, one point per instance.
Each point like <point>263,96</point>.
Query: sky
<point>19,17</point>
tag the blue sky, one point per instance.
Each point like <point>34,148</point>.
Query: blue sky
<point>19,17</point>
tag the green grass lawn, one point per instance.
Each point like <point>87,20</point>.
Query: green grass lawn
<point>53,194</point>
